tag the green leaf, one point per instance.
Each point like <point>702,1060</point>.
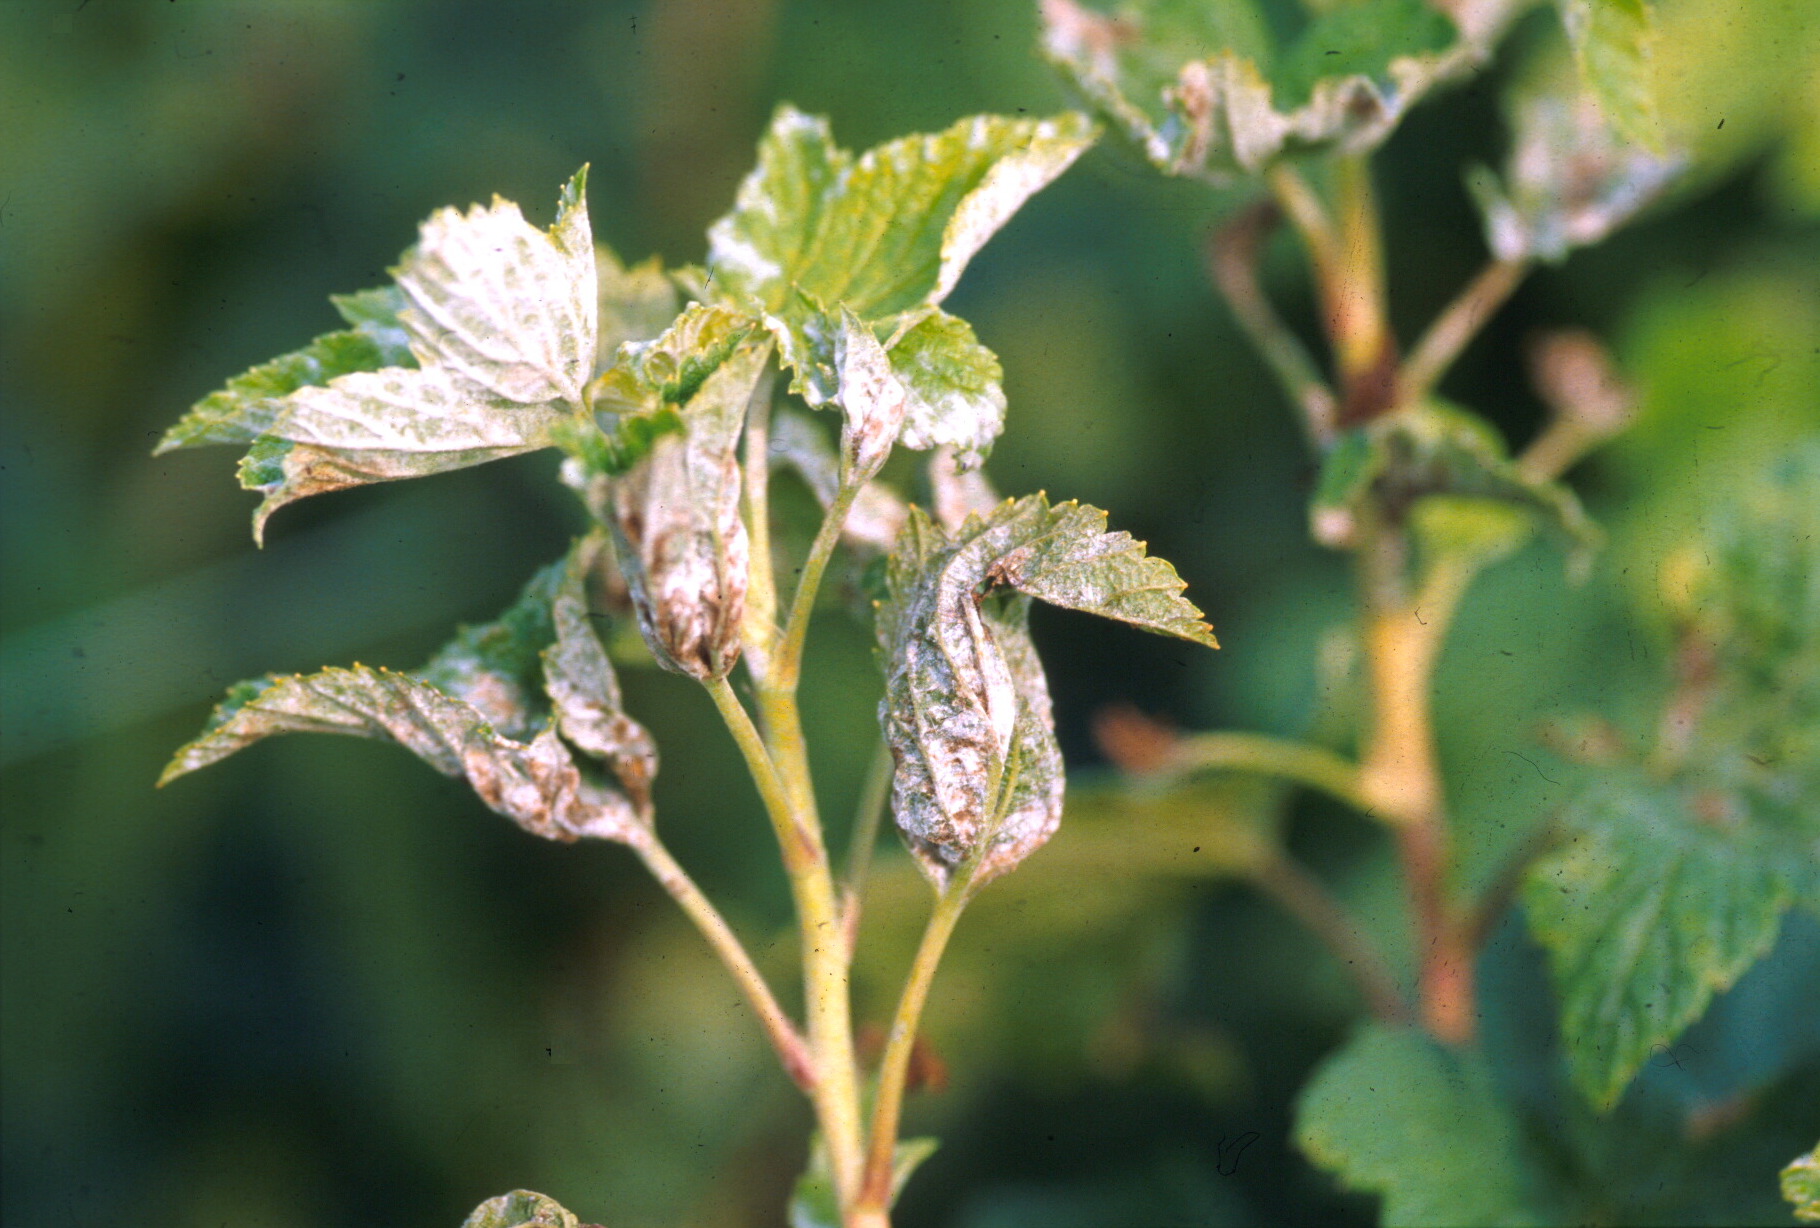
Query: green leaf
<point>1611,43</point>
<point>681,541</point>
<point>885,236</point>
<point>1652,906</point>
<point>966,709</point>
<point>1394,1113</point>
<point>376,313</point>
<point>1572,177</point>
<point>1194,85</point>
<point>521,1209</point>
<point>890,231</point>
<point>1435,449</point>
<point>1801,1186</point>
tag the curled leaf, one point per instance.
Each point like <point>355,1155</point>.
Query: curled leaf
<point>489,706</point>
<point>1434,449</point>
<point>1201,91</point>
<point>584,690</point>
<point>682,543</point>
<point>978,775</point>
<point>535,784</point>
<point>874,399</point>
<point>877,514</point>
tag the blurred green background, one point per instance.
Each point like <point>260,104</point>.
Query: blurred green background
<point>319,984</point>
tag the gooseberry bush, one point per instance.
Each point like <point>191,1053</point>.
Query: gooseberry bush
<point>812,342</point>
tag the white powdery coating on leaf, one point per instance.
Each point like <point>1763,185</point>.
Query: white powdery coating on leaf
<point>874,401</point>
<point>509,307</point>
<point>404,409</point>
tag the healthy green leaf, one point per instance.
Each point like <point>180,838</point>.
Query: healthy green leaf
<point>1654,904</point>
<point>1801,1186</point>
<point>966,709</point>
<point>885,236</point>
<point>521,1209</point>
<point>1393,1113</point>
<point>1572,177</point>
<point>1611,42</point>
<point>1195,86</point>
<point>376,313</point>
<point>682,543</point>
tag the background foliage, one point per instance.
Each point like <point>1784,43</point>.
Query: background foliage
<point>321,978</point>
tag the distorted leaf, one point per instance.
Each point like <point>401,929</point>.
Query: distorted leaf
<point>535,784</point>
<point>884,236</point>
<point>478,709</point>
<point>1801,1186</point>
<point>1654,903</point>
<point>966,710</point>
<point>1198,88</point>
<point>682,542</point>
<point>583,688</point>
<point>521,1209</point>
<point>1571,180</point>
<point>1394,1113</point>
<point>957,493</point>
<point>952,383</point>
<point>1435,449</point>
<point>1611,43</point>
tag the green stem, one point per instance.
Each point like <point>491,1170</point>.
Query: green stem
<point>1232,259</point>
<point>1313,766</point>
<point>825,955</point>
<point>1400,772</point>
<point>1457,325</point>
<point>874,796</point>
<point>787,667</point>
<point>894,1066</point>
<point>1303,897</point>
<point>792,1051</point>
